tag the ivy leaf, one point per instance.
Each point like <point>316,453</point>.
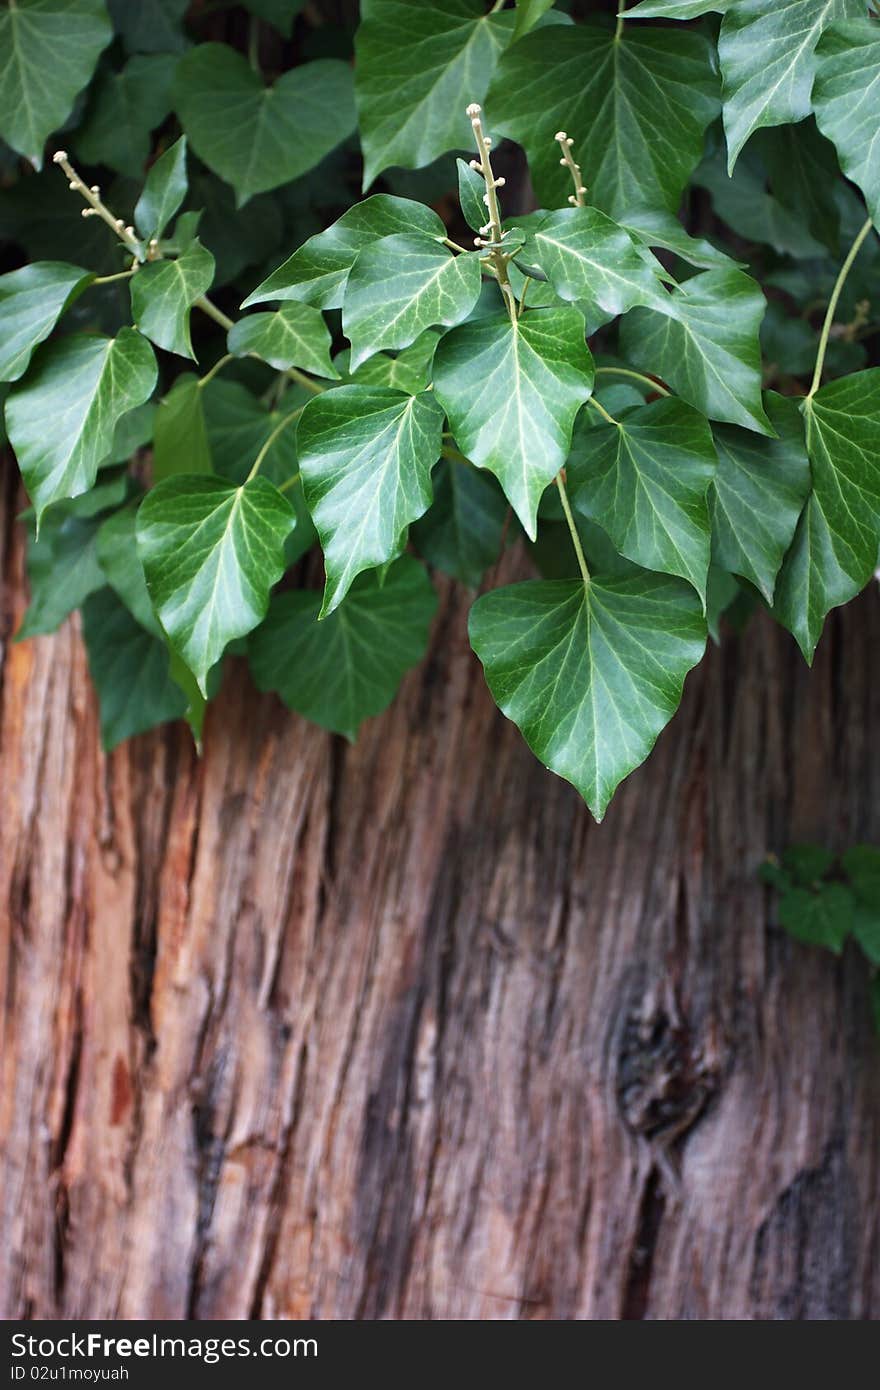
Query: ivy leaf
<point>463,531</point>
<point>163,293</point>
<point>835,547</point>
<point>180,436</point>
<point>745,204</point>
<point>347,668</point>
<point>48,52</point>
<point>211,552</point>
<point>240,425</point>
<point>32,301</point>
<point>366,454</point>
<point>657,227</point>
<point>528,12</point>
<point>706,346</point>
<point>124,107</point>
<point>846,98</point>
<point>163,192</point>
<point>150,26</point>
<point>645,480</point>
<point>594,262</point>
<point>116,547</point>
<point>824,918</point>
<point>590,673</point>
<point>768,62</point>
<point>412,96</point>
<point>862,864</point>
<point>62,565</point>
<point>760,487</point>
<point>402,285</point>
<point>803,173</point>
<point>130,669</point>
<point>61,418</point>
<point>278,132</point>
<point>677,9</point>
<point>318,271</point>
<point>471,190</point>
<point>511,392</point>
<point>638,107</point>
<point>409,370</point>
<point>293,336</point>
<point>280,13</point>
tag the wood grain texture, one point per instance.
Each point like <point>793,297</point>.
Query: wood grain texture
<point>396,1031</point>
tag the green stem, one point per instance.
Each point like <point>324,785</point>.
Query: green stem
<point>109,279</point>
<point>291,482</point>
<point>449,453</point>
<point>454,246</point>
<point>832,305</point>
<point>619,27</point>
<point>254,43</point>
<point>217,367</point>
<point>522,298</point>
<point>636,376</point>
<point>575,538</point>
<point>602,411</point>
<point>294,414</point>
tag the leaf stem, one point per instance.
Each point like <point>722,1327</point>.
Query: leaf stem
<point>522,298</point>
<point>602,411</point>
<point>636,376</point>
<point>832,306</point>
<point>217,367</point>
<point>454,246</point>
<point>254,43</point>
<point>258,461</point>
<point>619,26</point>
<point>575,538</point>
<point>290,482</point>
<point>109,279</point>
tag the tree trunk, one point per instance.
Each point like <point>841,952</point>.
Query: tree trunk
<point>397,1031</point>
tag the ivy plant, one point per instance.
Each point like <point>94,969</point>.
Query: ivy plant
<point>299,312</point>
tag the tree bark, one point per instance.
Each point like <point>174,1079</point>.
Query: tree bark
<point>397,1031</point>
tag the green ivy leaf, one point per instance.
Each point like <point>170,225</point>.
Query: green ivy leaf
<point>402,285</point>
<point>318,271</point>
<point>61,418</point>
<point>807,864</point>
<point>463,531</point>
<point>760,487</point>
<point>645,481</point>
<point>150,26</point>
<point>293,336</point>
<point>163,192</point>
<point>279,13</point>
<point>528,12</point>
<point>180,436</point>
<point>130,669</point>
<point>768,62</point>
<point>239,425</point>
<point>124,107</point>
<point>846,98</point>
<point>62,565</point>
<point>637,108</point>
<point>744,203</point>
<point>48,52</point>
<point>471,190</point>
<point>658,227</point>
<point>803,173</point>
<point>590,673</point>
<point>511,392</point>
<point>595,263</point>
<point>366,455</point>
<point>706,346</point>
<point>819,919</point>
<point>278,133</point>
<point>32,301</point>
<point>835,547</point>
<point>862,865</point>
<point>346,668</point>
<point>163,293</point>
<point>677,9</point>
<point>117,554</point>
<point>412,96</point>
<point>409,370</point>
<point>211,552</point>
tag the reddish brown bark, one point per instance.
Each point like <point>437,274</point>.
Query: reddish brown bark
<point>397,1031</point>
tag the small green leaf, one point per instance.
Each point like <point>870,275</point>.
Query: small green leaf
<point>164,191</point>
<point>61,418</point>
<point>211,552</point>
<point>862,864</point>
<point>279,13</point>
<point>846,98</point>
<point>150,26</point>
<point>590,673</point>
<point>278,132</point>
<point>124,107</point>
<point>768,62</point>
<point>511,392</point>
<point>366,455</point>
<point>528,12</point>
<point>834,551</point>
<point>645,480</point>
<point>32,301</point>
<point>594,262</point>
<point>130,669</point>
<point>412,95</point>
<point>180,437</point>
<point>409,370</point>
<point>402,285</point>
<point>48,52</point>
<point>803,173</point>
<point>657,227</point>
<point>824,919</point>
<point>637,108</point>
<point>706,346</point>
<point>462,533</point>
<point>760,487</point>
<point>163,293</point>
<point>677,9</point>
<point>346,668</point>
<point>471,191</point>
<point>807,863</point>
<point>293,336</point>
<point>318,271</point>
